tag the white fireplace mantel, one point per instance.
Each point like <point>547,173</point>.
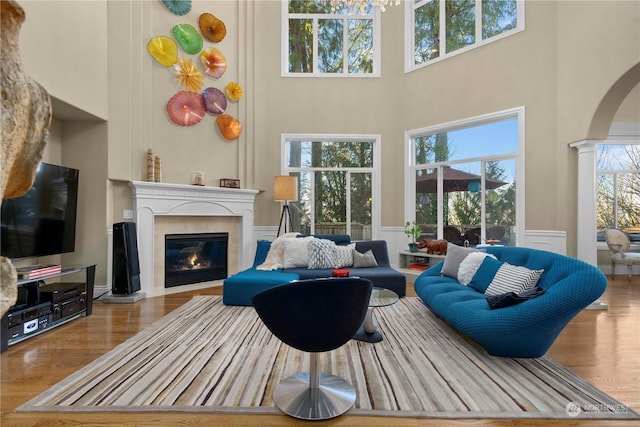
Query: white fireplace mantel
<point>153,199</point>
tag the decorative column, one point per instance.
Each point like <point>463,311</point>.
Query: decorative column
<point>586,215</point>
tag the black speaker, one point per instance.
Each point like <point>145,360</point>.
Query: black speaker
<point>126,267</point>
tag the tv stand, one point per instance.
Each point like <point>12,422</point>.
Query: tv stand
<point>45,303</point>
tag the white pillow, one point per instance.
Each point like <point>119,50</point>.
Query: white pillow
<point>321,254</point>
<point>275,257</point>
<point>455,255</point>
<point>296,252</point>
<point>344,255</point>
<point>470,265</point>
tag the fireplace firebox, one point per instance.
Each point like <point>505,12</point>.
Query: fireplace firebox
<point>195,258</point>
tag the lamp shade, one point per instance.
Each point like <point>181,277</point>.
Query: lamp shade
<point>285,188</point>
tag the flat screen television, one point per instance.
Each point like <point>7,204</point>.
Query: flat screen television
<point>43,221</point>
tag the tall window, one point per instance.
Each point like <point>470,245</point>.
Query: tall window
<point>317,41</point>
<point>462,185</point>
<point>438,29</point>
<point>338,184</point>
<point>618,189</point>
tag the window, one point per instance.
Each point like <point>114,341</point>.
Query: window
<point>319,42</point>
<point>618,189</point>
<point>438,29</point>
<point>338,184</point>
<point>462,182</point>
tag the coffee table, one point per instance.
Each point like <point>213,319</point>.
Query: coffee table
<point>380,297</point>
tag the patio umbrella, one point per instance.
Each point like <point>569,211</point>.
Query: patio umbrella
<point>453,180</point>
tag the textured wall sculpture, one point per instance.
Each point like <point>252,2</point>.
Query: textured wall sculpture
<point>26,116</point>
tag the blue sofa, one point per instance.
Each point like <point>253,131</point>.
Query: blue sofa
<point>524,330</point>
<point>241,287</point>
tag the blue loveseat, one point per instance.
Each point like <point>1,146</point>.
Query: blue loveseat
<point>524,330</point>
<point>241,287</point>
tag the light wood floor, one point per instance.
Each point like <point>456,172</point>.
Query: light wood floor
<point>601,346</point>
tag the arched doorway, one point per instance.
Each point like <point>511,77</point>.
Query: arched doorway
<point>598,133</point>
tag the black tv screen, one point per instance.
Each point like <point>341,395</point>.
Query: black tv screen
<point>43,221</point>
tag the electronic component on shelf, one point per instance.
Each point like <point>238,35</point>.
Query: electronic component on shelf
<point>41,306</point>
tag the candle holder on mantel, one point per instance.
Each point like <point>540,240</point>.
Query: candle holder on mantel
<point>150,167</point>
<point>157,169</point>
<point>198,178</point>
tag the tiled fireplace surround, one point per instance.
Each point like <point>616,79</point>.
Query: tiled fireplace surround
<point>161,209</point>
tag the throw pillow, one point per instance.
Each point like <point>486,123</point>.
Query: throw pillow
<point>485,274</point>
<point>296,252</point>
<point>321,254</point>
<point>455,255</point>
<point>510,298</point>
<point>513,278</point>
<point>496,277</point>
<point>364,260</point>
<point>344,255</point>
<point>275,256</point>
<point>262,250</point>
<point>470,265</point>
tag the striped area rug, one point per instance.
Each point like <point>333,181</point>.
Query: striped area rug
<point>208,357</point>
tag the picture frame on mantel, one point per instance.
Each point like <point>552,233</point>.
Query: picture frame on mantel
<point>229,183</point>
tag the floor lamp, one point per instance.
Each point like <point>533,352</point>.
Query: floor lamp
<point>285,189</point>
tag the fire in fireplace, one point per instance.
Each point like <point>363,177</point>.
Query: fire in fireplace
<point>195,258</point>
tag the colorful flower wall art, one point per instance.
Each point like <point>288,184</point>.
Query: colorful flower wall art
<point>188,107</point>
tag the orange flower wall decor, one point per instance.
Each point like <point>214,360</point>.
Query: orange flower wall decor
<point>230,128</point>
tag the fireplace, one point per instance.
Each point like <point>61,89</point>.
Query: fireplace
<point>162,208</point>
<point>195,258</point>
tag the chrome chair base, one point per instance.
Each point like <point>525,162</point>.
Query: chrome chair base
<point>294,396</point>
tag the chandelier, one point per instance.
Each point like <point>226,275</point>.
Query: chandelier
<point>361,5</point>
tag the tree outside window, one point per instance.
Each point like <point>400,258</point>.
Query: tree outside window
<point>440,28</point>
<point>618,189</point>
<point>476,169</point>
<point>322,42</point>
<point>335,177</point>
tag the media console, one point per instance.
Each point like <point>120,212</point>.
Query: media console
<point>44,303</point>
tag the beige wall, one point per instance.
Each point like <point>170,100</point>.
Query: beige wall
<point>560,69</point>
<point>63,45</point>
<point>629,110</point>
<point>554,69</point>
<point>140,89</point>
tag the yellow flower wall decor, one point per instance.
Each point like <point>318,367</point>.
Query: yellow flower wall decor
<point>234,91</point>
<point>163,50</point>
<point>188,107</point>
<point>189,75</point>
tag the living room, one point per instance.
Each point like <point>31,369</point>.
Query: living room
<point>571,72</point>
<point>111,109</point>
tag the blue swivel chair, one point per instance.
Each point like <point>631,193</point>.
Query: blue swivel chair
<point>314,316</point>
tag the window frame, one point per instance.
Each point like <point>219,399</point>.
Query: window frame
<point>412,167</point>
<point>374,170</point>
<point>284,24</point>
<point>409,19</point>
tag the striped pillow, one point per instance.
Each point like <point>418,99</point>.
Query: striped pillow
<point>512,278</point>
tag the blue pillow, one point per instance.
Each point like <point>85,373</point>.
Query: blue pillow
<point>339,239</point>
<point>485,274</point>
<point>261,252</point>
<point>496,277</point>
